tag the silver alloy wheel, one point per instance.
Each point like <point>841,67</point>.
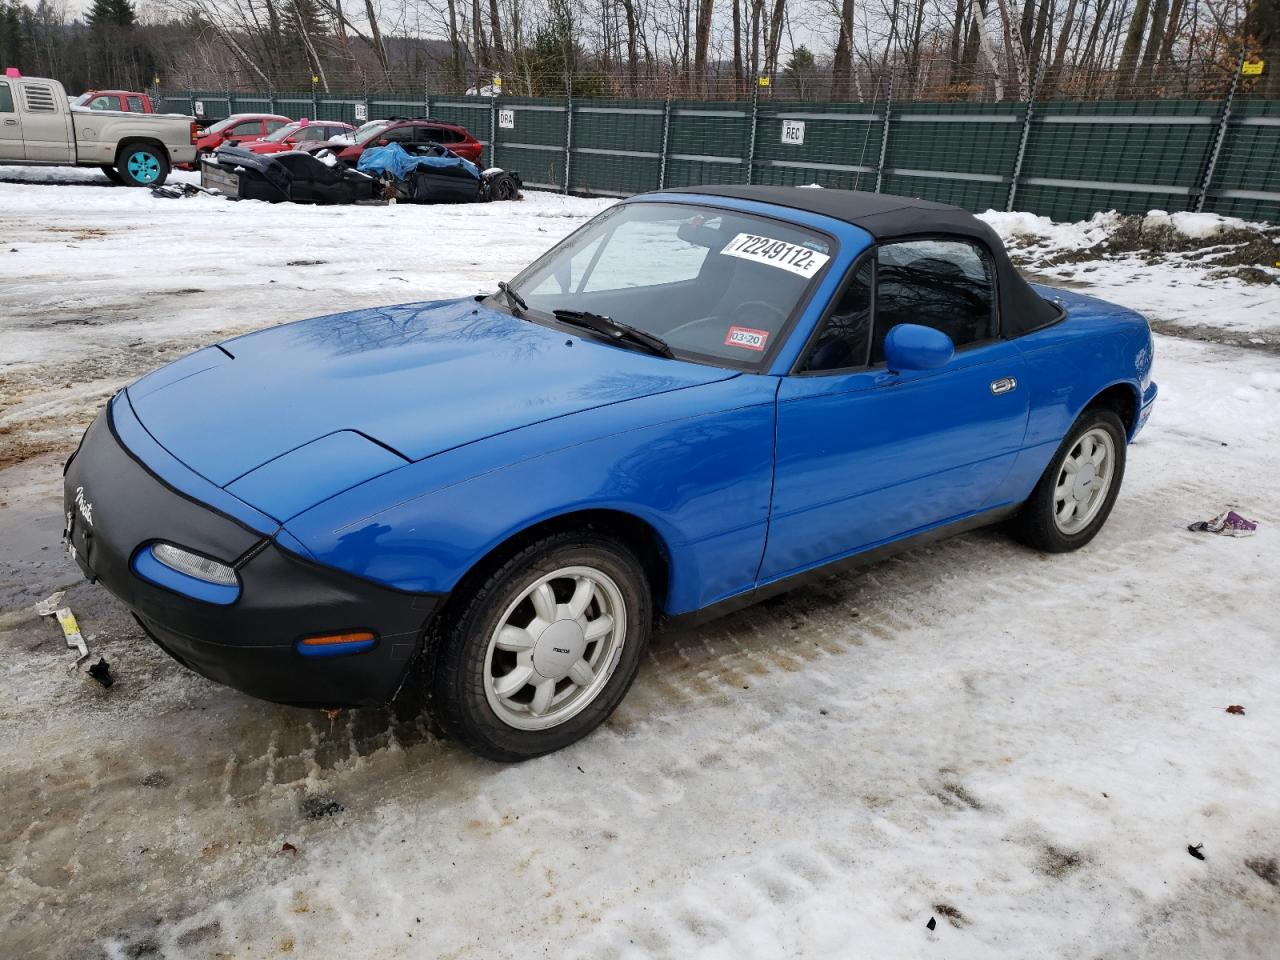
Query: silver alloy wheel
<point>555,648</point>
<point>1084,481</point>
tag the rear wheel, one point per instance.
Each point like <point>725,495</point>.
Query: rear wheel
<point>141,165</point>
<point>113,174</point>
<point>1079,487</point>
<point>541,651</point>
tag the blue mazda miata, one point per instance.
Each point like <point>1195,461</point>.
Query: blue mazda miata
<point>699,399</point>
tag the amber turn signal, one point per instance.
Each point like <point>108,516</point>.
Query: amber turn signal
<point>331,638</point>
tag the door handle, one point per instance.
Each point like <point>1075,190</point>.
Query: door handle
<point>1004,385</point>
<point>11,123</point>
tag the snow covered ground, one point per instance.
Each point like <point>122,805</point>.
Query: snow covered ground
<point>1195,274</point>
<point>1021,747</point>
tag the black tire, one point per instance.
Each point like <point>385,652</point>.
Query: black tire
<point>113,174</point>
<point>504,187</point>
<point>156,167</point>
<point>458,675</point>
<point>1035,525</point>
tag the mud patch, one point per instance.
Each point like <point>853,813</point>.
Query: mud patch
<point>1266,868</point>
<point>953,915</point>
<point>1058,862</point>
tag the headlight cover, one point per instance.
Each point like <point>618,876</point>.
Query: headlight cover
<point>185,572</point>
<point>194,565</point>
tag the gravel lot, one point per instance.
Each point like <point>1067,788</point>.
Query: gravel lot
<point>1021,747</point>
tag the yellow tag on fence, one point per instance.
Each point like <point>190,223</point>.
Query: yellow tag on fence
<point>1252,68</point>
<point>764,81</point>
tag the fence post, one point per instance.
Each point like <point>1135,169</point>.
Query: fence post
<point>884,138</point>
<point>271,99</point>
<point>1220,135</point>
<point>1022,141</point>
<point>568,130</point>
<point>493,128</point>
<point>751,147</point>
<point>666,134</point>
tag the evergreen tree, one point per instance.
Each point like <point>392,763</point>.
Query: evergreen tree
<point>11,35</point>
<point>800,70</point>
<point>111,13</point>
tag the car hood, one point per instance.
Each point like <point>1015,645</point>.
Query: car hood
<point>350,396</point>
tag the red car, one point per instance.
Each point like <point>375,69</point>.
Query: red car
<point>129,101</point>
<point>415,135</point>
<point>240,127</point>
<point>300,132</point>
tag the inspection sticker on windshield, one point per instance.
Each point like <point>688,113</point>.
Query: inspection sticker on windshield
<point>776,253</point>
<point>746,338</point>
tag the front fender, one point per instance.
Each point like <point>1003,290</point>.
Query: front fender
<point>695,464</point>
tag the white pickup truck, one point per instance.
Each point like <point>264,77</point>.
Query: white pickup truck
<point>38,126</point>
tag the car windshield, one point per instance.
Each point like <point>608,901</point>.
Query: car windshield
<point>223,124</point>
<point>718,286</point>
<point>369,131</point>
<point>284,133</point>
<point>81,100</point>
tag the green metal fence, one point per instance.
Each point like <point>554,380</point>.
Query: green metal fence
<point>1066,160</point>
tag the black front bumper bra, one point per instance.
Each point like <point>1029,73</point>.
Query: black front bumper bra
<point>294,632</point>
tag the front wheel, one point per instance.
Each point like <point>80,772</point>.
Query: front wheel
<point>541,651</point>
<point>142,166</point>
<point>113,175</point>
<point>1078,489</point>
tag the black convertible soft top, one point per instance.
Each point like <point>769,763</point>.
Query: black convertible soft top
<point>889,217</point>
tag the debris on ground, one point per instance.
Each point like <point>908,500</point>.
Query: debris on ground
<point>1236,709</point>
<point>67,620</point>
<point>932,924</point>
<point>1228,524</point>
<point>288,847</point>
<point>1195,851</point>
<point>101,671</point>
<point>317,808</point>
<point>49,606</point>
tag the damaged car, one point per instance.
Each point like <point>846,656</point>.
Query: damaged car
<point>702,398</point>
<point>293,177</point>
<point>436,174</point>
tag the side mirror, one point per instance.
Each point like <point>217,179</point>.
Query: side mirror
<point>909,346</point>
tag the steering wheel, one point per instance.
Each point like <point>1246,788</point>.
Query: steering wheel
<point>764,305</point>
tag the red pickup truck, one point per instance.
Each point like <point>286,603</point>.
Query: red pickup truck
<point>130,101</point>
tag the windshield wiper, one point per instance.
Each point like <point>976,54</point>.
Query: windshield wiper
<point>512,297</point>
<point>616,330</point>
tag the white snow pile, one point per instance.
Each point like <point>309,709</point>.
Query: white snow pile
<point>1202,274</point>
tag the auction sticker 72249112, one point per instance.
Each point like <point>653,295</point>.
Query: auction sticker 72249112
<point>792,257</point>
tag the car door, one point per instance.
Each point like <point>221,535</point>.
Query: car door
<point>11,145</point>
<point>865,454</point>
<point>45,128</point>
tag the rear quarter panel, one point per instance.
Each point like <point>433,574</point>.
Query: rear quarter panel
<point>1097,346</point>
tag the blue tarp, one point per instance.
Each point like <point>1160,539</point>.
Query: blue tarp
<point>395,160</point>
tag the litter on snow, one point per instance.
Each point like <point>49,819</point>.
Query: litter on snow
<point>67,620</point>
<point>1228,524</point>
